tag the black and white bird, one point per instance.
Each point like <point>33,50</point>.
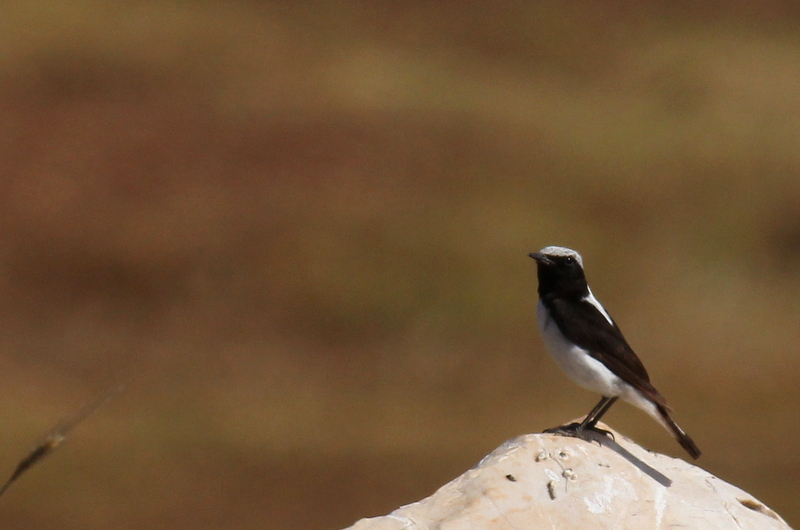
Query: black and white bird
<point>587,344</point>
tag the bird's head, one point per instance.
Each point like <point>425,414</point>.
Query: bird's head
<point>559,269</point>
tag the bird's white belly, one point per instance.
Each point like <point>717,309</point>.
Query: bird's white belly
<point>587,371</point>
<point>576,362</point>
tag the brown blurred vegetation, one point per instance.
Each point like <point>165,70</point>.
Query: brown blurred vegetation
<point>298,233</point>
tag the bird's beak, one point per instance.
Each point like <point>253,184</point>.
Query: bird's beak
<point>540,258</point>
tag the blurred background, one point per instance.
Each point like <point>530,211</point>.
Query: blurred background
<point>297,233</point>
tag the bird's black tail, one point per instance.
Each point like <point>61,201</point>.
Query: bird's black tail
<point>679,434</point>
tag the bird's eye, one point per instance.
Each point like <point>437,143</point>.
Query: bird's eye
<point>569,260</point>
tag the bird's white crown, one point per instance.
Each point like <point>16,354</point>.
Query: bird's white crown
<point>562,251</point>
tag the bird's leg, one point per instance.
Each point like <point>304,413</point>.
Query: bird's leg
<point>589,422</point>
<point>597,412</point>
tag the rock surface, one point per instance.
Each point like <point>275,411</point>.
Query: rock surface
<point>553,482</point>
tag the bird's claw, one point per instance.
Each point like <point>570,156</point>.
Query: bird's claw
<point>604,432</point>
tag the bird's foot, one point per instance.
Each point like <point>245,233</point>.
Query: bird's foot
<point>570,429</point>
<point>576,430</point>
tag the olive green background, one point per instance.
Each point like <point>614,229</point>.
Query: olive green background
<point>297,233</point>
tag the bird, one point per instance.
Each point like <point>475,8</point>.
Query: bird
<point>589,347</point>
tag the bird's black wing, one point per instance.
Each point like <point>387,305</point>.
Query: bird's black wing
<point>583,324</point>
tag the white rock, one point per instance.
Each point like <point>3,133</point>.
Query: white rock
<point>554,482</point>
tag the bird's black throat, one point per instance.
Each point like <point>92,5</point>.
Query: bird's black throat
<point>558,280</point>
